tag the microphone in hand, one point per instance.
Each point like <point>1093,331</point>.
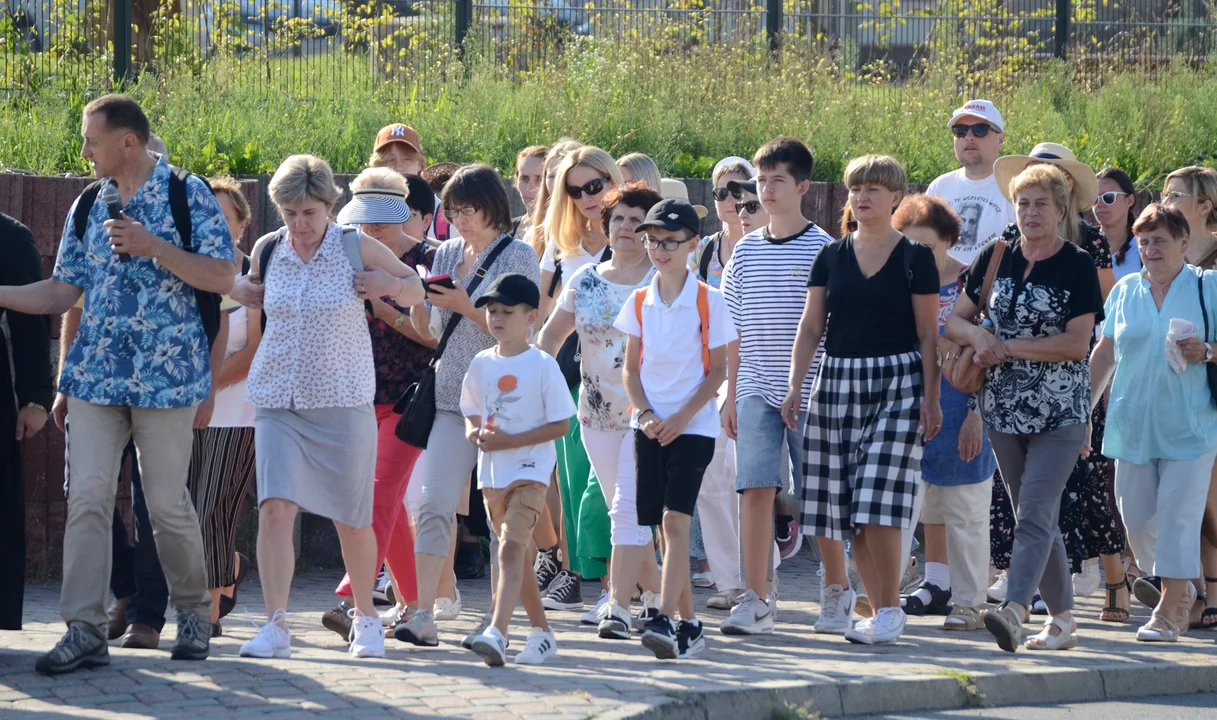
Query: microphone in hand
<point>109,196</point>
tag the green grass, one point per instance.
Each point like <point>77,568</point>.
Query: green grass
<point>973,697</point>
<point>685,109</point>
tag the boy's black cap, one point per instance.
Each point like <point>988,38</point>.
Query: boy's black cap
<point>511,289</point>
<point>736,186</point>
<point>672,214</point>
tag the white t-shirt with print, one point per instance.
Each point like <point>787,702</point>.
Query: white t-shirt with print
<point>672,365</point>
<point>981,207</point>
<point>517,394</point>
<point>571,264</point>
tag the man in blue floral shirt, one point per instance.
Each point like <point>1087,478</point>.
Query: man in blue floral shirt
<point>138,368</point>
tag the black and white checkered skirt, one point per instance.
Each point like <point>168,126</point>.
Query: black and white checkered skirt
<point>861,445</point>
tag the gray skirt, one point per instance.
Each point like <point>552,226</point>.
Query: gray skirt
<point>322,460</point>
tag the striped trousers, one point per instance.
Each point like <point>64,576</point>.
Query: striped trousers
<point>221,473</point>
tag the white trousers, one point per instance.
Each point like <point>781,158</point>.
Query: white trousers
<point>1162,503</point>
<point>612,457</point>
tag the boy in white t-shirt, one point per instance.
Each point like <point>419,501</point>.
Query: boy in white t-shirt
<point>516,403</point>
<point>675,361</point>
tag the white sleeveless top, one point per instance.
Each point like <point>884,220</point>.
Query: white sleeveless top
<point>231,410</point>
<point>316,352</point>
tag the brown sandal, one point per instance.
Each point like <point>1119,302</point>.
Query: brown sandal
<point>1113,613</point>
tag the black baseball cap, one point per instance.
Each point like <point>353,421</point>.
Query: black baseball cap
<point>511,289</point>
<point>736,186</point>
<point>672,214</point>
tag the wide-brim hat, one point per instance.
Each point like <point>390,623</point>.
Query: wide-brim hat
<point>1085,182</point>
<point>380,206</point>
<point>671,189</point>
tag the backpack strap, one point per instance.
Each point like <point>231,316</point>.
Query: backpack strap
<point>639,298</point>
<point>703,313</point>
<point>179,205</point>
<point>706,256</point>
<point>84,205</point>
<point>350,246</point>
<point>556,279</point>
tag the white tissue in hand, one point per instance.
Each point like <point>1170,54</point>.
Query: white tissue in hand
<point>1180,329</point>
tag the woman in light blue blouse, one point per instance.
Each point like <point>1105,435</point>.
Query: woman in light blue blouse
<point>1162,420</point>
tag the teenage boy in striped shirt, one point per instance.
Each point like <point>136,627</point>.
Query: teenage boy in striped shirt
<point>765,286</point>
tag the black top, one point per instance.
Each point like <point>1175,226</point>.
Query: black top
<point>33,380</point>
<point>873,317</point>
<point>1022,396</point>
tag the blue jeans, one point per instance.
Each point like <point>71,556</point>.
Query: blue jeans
<point>758,448</point>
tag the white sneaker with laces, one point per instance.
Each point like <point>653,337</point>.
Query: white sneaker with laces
<point>491,646</point>
<point>367,635</point>
<point>380,594</point>
<point>888,625</point>
<point>593,616</point>
<point>1087,582</point>
<point>862,632</point>
<point>650,608</point>
<point>447,608</point>
<point>272,641</point>
<point>836,609</point>
<point>753,616</point>
<point>540,646</point>
<point>997,591</point>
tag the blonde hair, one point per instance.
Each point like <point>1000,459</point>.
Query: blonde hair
<point>227,185</point>
<point>380,179</point>
<point>882,170</point>
<point>642,167</point>
<point>1203,181</point>
<point>381,158</point>
<point>301,178</point>
<point>1052,179</point>
<point>539,236</point>
<point>565,224</point>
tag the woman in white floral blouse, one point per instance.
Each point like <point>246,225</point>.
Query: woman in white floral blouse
<point>588,304</point>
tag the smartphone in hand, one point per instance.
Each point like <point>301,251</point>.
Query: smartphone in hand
<point>444,281</point>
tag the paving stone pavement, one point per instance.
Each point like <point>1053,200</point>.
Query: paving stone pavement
<point>589,677</point>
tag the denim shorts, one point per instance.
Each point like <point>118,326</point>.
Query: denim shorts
<point>758,449</point>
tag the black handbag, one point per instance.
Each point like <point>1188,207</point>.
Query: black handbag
<point>417,404</point>
<point>1209,368</point>
<point>570,357</point>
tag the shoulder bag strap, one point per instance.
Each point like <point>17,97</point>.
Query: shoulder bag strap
<point>1203,309</point>
<point>999,250</point>
<point>479,274</point>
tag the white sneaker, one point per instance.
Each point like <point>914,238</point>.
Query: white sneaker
<point>862,632</point>
<point>1086,583</point>
<point>836,609</point>
<point>491,646</point>
<point>380,595</point>
<point>367,635</point>
<point>272,640</point>
<point>541,646</point>
<point>997,591</point>
<point>593,616</point>
<point>888,625</point>
<point>753,616</point>
<point>447,608</point>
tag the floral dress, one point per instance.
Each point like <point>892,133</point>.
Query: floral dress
<point>1088,521</point>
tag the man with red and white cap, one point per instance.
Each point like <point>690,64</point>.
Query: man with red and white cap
<point>398,148</point>
<point>972,190</point>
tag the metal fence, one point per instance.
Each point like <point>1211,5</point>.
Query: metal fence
<point>409,47</point>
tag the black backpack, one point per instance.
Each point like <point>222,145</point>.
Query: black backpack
<point>179,207</point>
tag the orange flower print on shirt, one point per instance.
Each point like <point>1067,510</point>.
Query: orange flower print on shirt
<point>500,405</point>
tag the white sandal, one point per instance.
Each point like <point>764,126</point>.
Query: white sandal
<point>1044,640</point>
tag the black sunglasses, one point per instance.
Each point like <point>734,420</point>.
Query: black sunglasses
<point>978,130</point>
<point>751,207</point>
<point>721,194</point>
<point>591,188</point>
<point>1109,198</point>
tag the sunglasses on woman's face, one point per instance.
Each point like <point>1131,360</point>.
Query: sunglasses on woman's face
<point>751,207</point>
<point>591,188</point>
<point>1109,198</point>
<point>978,130</point>
<point>721,194</point>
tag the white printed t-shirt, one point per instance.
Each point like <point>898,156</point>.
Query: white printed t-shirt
<point>982,209</point>
<point>672,365</point>
<point>517,394</point>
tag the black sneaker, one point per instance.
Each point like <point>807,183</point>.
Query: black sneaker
<point>689,639</point>
<point>193,637</point>
<point>338,620</point>
<point>660,638</point>
<point>79,647</point>
<point>547,566</point>
<point>565,593</point>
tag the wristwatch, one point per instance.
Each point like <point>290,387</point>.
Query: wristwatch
<point>401,320</point>
<point>45,411</point>
<point>1208,352</point>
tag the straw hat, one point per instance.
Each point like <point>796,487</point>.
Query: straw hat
<point>675,190</point>
<point>1085,183</point>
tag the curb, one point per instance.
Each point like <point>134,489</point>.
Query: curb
<point>950,690</point>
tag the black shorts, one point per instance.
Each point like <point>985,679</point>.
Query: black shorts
<point>669,478</point>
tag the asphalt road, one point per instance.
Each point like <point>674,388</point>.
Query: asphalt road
<point>1166,707</point>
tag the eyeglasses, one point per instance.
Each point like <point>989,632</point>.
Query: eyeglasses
<point>591,188</point>
<point>1109,198</point>
<point>721,194</point>
<point>751,207</point>
<point>978,130</point>
<point>669,245</point>
<point>454,213</point>
<point>1175,195</point>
